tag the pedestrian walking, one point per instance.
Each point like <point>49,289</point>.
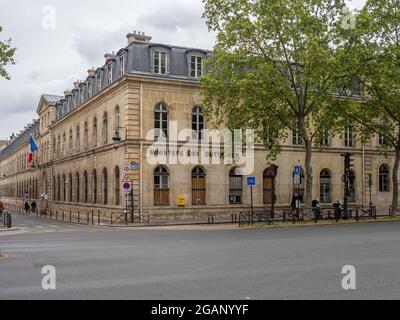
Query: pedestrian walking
<point>33,206</point>
<point>27,207</point>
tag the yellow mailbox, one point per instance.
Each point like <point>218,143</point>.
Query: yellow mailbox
<point>181,201</point>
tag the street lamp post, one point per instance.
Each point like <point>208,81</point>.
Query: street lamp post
<point>117,139</point>
<point>370,189</point>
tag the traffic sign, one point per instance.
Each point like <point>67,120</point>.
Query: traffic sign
<point>126,185</point>
<point>297,175</point>
<point>251,181</point>
<point>126,178</point>
<point>134,165</point>
<point>126,168</point>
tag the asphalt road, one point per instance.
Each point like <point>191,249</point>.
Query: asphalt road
<point>291,263</point>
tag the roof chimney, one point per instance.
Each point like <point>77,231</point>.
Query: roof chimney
<point>137,37</point>
<point>108,56</point>
<point>91,72</point>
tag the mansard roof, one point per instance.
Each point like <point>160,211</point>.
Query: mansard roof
<point>137,57</point>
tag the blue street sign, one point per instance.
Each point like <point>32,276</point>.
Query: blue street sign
<point>297,170</point>
<point>251,181</point>
<point>134,165</point>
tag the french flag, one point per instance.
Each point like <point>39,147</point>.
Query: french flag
<point>32,148</point>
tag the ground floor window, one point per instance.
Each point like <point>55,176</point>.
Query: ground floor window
<point>325,186</point>
<point>117,186</point>
<point>161,186</point>
<point>94,186</point>
<point>269,186</point>
<point>235,186</point>
<point>198,186</point>
<point>384,178</point>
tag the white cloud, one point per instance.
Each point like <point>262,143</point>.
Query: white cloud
<point>48,61</point>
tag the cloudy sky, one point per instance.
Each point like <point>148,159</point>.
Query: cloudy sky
<point>53,53</point>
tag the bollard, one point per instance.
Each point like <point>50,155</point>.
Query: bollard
<point>70,216</point>
<point>87,216</point>
<point>98,217</point>
<point>79,218</point>
<point>92,218</point>
<point>357,218</point>
<point>63,215</point>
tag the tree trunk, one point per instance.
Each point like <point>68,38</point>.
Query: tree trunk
<point>309,173</point>
<point>395,179</point>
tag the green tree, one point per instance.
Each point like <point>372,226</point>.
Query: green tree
<point>6,56</point>
<point>275,68</point>
<point>375,59</point>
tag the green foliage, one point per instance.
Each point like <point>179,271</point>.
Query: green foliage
<point>375,54</point>
<point>6,56</point>
<point>274,67</point>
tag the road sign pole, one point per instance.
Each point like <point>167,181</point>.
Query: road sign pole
<point>132,206</point>
<point>251,200</point>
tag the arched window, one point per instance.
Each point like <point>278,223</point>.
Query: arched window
<point>95,132</point>
<point>161,186</point>
<point>70,187</point>
<point>58,188</point>
<point>269,176</point>
<point>78,139</point>
<point>70,145</point>
<point>78,191</point>
<point>59,146</point>
<point>105,186</point>
<point>85,187</point>
<point>352,186</point>
<point>105,128</point>
<point>235,186</point>
<point>384,178</point>
<point>64,144</point>
<point>54,148</point>
<point>54,188</point>
<point>198,186</point>
<point>325,186</point>
<point>94,186</point>
<point>161,120</point>
<point>298,188</point>
<point>64,185</point>
<point>86,135</point>
<point>117,195</point>
<point>197,123</point>
<point>116,121</point>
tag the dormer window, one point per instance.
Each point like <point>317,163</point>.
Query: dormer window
<point>90,89</point>
<point>98,82</point>
<point>82,94</point>
<point>160,62</point>
<point>121,66</point>
<point>196,66</point>
<point>110,75</point>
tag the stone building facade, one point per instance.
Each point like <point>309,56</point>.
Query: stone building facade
<point>86,136</point>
